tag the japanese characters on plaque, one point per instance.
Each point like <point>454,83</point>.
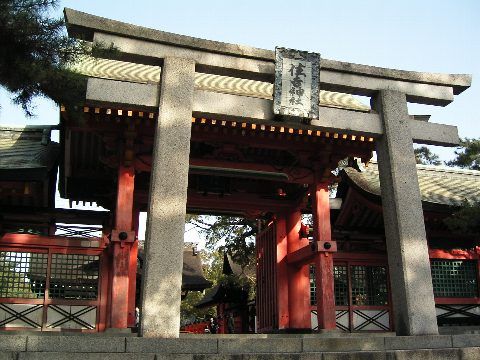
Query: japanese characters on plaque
<point>297,80</point>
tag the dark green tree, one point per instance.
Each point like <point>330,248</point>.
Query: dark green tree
<point>466,219</point>
<point>35,54</point>
<point>212,268</point>
<point>467,154</point>
<point>424,156</point>
<point>235,234</point>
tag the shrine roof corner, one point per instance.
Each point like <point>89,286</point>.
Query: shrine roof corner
<point>439,185</point>
<point>83,25</point>
<point>27,152</point>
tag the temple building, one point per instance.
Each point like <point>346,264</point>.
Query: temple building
<point>172,124</point>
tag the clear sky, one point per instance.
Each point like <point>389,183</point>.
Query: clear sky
<point>428,35</point>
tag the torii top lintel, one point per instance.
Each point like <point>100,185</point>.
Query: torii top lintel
<point>148,46</point>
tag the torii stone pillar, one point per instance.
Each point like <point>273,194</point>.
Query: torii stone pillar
<point>162,268</point>
<point>408,259</point>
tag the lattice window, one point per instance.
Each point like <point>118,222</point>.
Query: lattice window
<point>369,285</point>
<point>22,274</point>
<point>74,276</point>
<point>340,285</point>
<point>313,286</point>
<point>454,278</point>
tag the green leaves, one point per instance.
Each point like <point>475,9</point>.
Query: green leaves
<point>36,53</point>
<point>236,235</point>
<point>466,220</point>
<point>467,154</point>
<point>424,156</point>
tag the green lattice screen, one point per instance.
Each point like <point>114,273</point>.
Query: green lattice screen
<point>454,278</point>
<point>74,276</point>
<point>369,285</point>
<point>340,285</point>
<point>22,274</point>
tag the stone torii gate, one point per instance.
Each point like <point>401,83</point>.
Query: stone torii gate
<point>186,82</point>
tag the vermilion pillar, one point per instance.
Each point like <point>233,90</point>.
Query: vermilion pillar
<point>324,260</point>
<point>132,272</point>
<point>298,277</point>
<point>122,239</point>
<point>282,273</point>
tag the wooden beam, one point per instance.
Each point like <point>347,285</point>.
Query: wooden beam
<point>296,175</point>
<point>66,216</point>
<point>238,203</point>
<point>28,240</point>
<point>302,256</point>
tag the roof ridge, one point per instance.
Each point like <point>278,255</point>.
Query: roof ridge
<point>7,127</point>
<point>443,169</point>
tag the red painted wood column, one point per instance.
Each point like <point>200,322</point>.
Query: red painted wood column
<point>132,271</point>
<point>282,272</point>
<point>122,239</point>
<point>324,261</point>
<point>298,277</point>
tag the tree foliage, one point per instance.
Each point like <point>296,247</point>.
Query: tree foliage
<point>36,53</point>
<point>466,219</point>
<point>236,235</point>
<point>467,154</point>
<point>13,282</point>
<point>189,313</point>
<point>212,269</point>
<point>424,156</point>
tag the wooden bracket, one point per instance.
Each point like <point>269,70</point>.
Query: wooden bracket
<point>306,254</point>
<point>123,236</point>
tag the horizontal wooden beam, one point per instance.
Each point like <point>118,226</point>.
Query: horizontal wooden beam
<point>303,255</point>
<point>65,216</point>
<point>298,175</point>
<point>41,240</point>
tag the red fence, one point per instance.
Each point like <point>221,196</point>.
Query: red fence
<point>197,328</point>
<point>52,283</point>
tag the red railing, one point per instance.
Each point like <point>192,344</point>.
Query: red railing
<point>54,283</point>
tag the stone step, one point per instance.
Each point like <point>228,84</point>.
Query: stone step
<point>311,346</point>
<point>417,354</point>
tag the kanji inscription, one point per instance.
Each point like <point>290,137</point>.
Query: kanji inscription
<point>297,76</point>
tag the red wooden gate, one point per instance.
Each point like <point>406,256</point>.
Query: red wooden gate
<point>266,303</point>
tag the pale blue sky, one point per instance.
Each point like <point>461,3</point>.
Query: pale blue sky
<point>433,36</point>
